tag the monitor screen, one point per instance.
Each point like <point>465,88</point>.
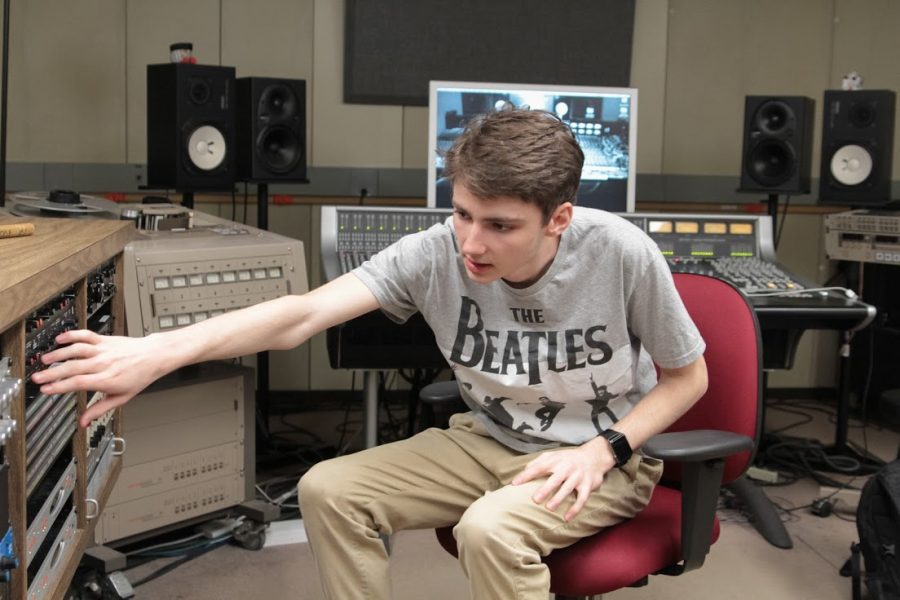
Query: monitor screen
<point>604,121</point>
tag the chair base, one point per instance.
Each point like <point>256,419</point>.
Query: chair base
<point>766,519</point>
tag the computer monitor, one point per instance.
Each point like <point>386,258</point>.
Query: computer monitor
<point>604,121</point>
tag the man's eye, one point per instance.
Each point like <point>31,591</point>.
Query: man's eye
<point>462,215</point>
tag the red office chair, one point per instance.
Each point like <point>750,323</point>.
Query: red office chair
<point>705,449</point>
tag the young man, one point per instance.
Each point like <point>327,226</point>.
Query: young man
<point>548,315</point>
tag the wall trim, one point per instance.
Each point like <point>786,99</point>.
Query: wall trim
<point>104,178</point>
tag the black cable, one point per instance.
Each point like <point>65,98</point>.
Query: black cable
<point>810,405</point>
<point>174,545</point>
<point>784,213</point>
<point>391,425</point>
<point>839,273</point>
<point>808,418</point>
<point>343,428</point>
<point>297,430</point>
<point>244,220</point>
<point>177,563</point>
<point>797,458</point>
<point>848,519</point>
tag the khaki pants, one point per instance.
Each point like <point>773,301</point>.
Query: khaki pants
<point>441,477</point>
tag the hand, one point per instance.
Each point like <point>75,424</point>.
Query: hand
<point>580,470</point>
<point>119,367</point>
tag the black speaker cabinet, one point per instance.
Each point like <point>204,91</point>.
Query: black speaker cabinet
<point>857,147</point>
<point>271,125</point>
<point>190,127</point>
<point>777,147</point>
<point>875,351</point>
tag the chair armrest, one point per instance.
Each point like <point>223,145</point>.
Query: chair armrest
<point>701,454</point>
<point>439,401</point>
<point>440,392</point>
<point>700,444</point>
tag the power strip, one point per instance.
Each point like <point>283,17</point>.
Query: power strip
<point>763,475</point>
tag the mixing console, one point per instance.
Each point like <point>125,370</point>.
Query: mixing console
<point>351,235</point>
<point>751,275</point>
<point>736,248</point>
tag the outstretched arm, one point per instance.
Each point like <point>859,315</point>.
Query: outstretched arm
<point>120,367</point>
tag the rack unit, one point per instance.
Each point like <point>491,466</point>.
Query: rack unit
<point>67,275</point>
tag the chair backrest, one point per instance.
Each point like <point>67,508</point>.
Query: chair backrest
<point>733,360</point>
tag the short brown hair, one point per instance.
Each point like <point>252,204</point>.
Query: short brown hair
<point>527,154</point>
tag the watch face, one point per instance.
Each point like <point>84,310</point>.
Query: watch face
<point>620,446</point>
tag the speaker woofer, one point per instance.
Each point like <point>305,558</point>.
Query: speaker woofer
<point>277,102</point>
<point>206,148</point>
<point>771,162</point>
<point>851,165</point>
<point>279,148</point>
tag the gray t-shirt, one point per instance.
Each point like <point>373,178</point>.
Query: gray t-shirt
<point>557,362</point>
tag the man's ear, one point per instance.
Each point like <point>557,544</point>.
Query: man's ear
<point>560,219</point>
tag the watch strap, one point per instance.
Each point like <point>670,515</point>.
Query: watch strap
<point>619,443</point>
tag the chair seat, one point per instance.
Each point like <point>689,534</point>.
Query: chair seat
<point>618,556</point>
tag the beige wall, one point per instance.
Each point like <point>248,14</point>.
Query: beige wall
<point>78,93</point>
<point>77,89</point>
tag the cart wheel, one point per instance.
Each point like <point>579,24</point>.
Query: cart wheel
<point>251,535</point>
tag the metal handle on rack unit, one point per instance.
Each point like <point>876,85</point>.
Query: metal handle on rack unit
<point>91,514</point>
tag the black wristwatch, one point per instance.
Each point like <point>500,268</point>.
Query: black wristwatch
<point>620,446</point>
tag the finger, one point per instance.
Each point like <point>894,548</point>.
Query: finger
<point>46,375</point>
<point>533,469</point>
<point>565,489</point>
<point>553,482</point>
<point>97,409</point>
<point>59,371</point>
<point>78,335</point>
<point>582,492</point>
<point>70,384</point>
<point>75,350</point>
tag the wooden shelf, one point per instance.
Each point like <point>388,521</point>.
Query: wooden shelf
<point>61,257</point>
<point>60,252</point>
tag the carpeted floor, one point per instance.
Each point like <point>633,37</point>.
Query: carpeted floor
<point>742,565</point>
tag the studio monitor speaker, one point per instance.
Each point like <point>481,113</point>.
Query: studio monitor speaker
<point>271,125</point>
<point>777,144</point>
<point>857,147</point>
<point>190,127</point>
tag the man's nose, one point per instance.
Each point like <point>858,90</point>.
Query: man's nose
<point>473,243</point>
